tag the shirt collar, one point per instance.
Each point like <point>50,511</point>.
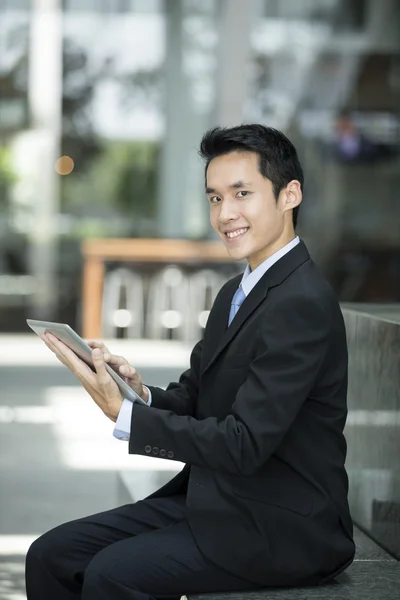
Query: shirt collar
<point>251,278</point>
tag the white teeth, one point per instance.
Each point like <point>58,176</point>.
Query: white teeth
<point>233,234</point>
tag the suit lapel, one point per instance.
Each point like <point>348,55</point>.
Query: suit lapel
<point>218,321</point>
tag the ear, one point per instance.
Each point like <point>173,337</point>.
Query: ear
<point>292,195</point>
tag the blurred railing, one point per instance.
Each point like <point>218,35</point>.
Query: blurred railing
<point>158,289</point>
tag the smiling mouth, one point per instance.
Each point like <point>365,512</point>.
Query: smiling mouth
<point>235,235</point>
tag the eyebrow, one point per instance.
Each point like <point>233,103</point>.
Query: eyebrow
<point>234,186</point>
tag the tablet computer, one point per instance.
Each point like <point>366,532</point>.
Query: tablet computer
<point>70,338</point>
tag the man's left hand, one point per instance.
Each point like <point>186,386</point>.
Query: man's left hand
<point>99,385</point>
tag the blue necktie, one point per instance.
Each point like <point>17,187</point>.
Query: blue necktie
<point>236,303</point>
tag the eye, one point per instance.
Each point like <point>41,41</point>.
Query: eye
<point>214,199</point>
<point>244,194</point>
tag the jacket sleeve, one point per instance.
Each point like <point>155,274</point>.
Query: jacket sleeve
<point>181,397</point>
<point>290,351</point>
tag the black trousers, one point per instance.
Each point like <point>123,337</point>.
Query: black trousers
<point>139,551</point>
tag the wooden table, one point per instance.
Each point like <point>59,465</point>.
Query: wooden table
<point>97,251</point>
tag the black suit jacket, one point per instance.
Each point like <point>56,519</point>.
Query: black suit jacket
<point>258,418</point>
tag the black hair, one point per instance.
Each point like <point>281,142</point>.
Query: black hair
<point>278,160</point>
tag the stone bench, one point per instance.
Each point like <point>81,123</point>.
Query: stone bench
<point>374,574</point>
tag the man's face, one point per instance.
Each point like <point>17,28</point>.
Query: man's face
<point>243,209</point>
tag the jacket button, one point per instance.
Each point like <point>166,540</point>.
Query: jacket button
<point>147,449</point>
<point>163,452</point>
<point>170,454</point>
<point>155,450</point>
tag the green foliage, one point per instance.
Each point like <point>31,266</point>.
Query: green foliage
<point>120,181</point>
<point>6,173</point>
<point>7,176</point>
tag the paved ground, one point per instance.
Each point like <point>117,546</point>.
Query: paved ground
<point>58,459</point>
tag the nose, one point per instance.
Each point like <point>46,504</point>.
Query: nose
<point>228,212</point>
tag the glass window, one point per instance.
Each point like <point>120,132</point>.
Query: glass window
<point>334,89</point>
<point>114,6</point>
<point>15,5</point>
<point>302,9</point>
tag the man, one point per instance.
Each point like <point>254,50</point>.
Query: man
<point>257,418</point>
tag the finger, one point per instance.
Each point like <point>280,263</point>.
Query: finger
<point>99,365</point>
<point>93,343</point>
<point>51,346</point>
<point>128,371</point>
<point>53,339</point>
<point>45,338</point>
<point>66,355</point>
<point>97,344</point>
<point>114,360</point>
<point>56,354</point>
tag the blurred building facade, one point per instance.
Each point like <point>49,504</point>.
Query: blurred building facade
<point>138,83</point>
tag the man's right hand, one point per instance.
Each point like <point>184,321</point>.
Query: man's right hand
<point>123,368</point>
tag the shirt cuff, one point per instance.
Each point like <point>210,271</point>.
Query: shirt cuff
<point>122,429</point>
<point>149,400</point>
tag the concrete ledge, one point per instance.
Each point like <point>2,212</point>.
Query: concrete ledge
<point>374,574</point>
<point>363,580</point>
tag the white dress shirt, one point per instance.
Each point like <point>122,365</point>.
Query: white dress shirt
<point>249,280</point>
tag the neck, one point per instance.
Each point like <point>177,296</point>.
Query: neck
<point>281,242</point>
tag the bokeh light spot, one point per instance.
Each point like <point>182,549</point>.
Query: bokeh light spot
<point>122,318</point>
<point>64,165</point>
<point>171,319</point>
